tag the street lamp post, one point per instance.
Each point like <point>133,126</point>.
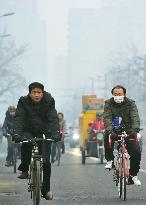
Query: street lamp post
<point>7,14</point>
<point>5,35</point>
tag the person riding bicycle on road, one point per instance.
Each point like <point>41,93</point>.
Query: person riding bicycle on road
<point>121,106</point>
<point>63,129</point>
<point>36,115</point>
<point>96,125</point>
<point>60,145</point>
<point>7,129</point>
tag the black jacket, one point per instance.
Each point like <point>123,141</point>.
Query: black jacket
<point>36,118</point>
<point>8,124</point>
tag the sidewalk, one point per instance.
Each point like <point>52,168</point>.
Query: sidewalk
<point>9,183</point>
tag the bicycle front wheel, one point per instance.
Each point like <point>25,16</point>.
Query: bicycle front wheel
<point>36,182</point>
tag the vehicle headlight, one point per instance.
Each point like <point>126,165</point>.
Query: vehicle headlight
<point>75,136</point>
<point>100,136</point>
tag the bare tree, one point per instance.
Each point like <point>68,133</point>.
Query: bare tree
<point>129,70</point>
<point>10,78</point>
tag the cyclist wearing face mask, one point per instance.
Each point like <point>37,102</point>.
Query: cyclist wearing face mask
<point>121,106</point>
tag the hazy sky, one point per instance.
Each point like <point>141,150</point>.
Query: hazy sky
<point>122,23</point>
<point>43,26</point>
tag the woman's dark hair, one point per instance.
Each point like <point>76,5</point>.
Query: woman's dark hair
<point>35,85</point>
<point>118,87</point>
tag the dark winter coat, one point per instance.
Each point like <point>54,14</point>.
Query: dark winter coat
<point>36,118</point>
<point>127,110</point>
<point>8,124</point>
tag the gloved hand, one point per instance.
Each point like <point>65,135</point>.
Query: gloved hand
<point>133,132</point>
<point>56,137</point>
<point>16,138</point>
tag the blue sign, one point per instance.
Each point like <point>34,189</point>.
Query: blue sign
<point>116,121</point>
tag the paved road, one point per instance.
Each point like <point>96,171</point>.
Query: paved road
<point>73,184</point>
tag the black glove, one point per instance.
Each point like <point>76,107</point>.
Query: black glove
<point>133,132</point>
<point>16,138</point>
<point>56,137</point>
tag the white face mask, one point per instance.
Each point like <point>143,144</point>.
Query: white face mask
<point>119,99</point>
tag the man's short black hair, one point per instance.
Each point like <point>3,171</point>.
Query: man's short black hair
<point>118,87</point>
<point>35,85</point>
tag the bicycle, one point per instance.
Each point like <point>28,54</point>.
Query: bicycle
<point>14,153</point>
<point>36,169</point>
<point>121,164</point>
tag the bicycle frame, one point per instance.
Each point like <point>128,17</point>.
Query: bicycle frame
<point>36,170</point>
<point>121,162</point>
<point>35,165</point>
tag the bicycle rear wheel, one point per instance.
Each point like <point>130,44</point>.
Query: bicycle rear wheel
<point>36,182</point>
<point>58,153</point>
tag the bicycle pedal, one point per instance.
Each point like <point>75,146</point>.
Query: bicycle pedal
<point>29,189</point>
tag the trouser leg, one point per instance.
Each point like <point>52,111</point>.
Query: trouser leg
<point>26,150</point>
<point>63,147</point>
<point>134,151</point>
<point>46,151</point>
<point>108,149</point>
<point>53,151</point>
<point>10,152</point>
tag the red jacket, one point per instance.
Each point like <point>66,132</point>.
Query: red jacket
<point>97,124</point>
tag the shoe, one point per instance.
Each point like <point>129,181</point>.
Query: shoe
<point>136,181</point>
<point>48,196</point>
<point>130,181</point>
<point>109,165</point>
<point>8,164</point>
<point>23,175</point>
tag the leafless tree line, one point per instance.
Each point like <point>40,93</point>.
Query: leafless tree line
<point>11,80</point>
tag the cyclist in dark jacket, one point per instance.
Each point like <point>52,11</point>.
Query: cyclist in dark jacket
<point>36,115</point>
<point>7,129</point>
<point>121,106</point>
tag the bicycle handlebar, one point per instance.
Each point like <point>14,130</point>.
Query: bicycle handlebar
<point>36,140</point>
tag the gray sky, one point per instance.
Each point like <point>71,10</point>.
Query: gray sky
<point>121,24</point>
<point>44,26</point>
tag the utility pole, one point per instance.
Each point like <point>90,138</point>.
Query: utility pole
<point>144,89</point>
<point>105,86</point>
<point>92,84</point>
